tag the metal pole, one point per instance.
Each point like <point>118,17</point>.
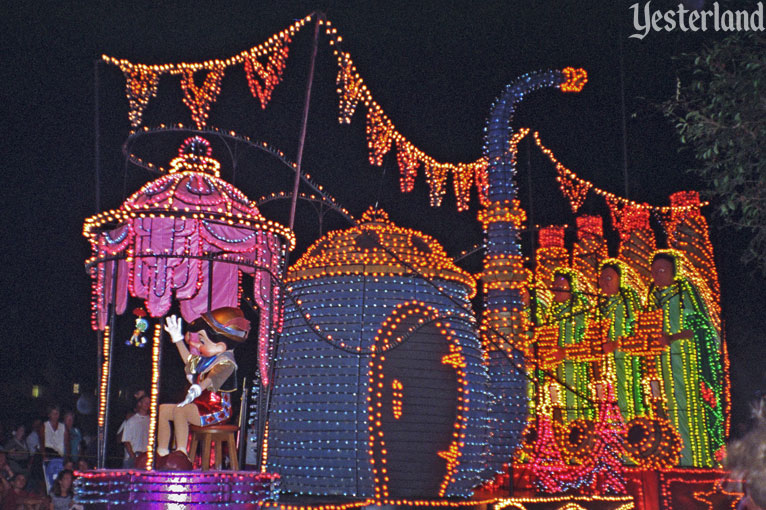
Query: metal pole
<point>624,125</point>
<point>304,122</point>
<point>242,441</point>
<point>264,413</point>
<point>97,137</point>
<point>210,282</point>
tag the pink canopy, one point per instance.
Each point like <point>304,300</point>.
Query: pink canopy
<point>166,236</point>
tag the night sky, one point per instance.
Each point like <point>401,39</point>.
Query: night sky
<point>434,67</point>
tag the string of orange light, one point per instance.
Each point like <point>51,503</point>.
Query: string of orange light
<point>580,183</point>
<point>382,134</point>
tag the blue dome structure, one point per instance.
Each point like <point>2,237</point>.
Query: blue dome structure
<point>380,387</point>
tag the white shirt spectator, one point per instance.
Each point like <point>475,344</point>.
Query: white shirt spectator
<point>136,432</point>
<point>55,438</point>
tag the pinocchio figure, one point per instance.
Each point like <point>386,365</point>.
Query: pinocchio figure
<point>212,373</point>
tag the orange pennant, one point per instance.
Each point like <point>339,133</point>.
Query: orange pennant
<point>462,178</point>
<point>200,99</point>
<point>436,175</point>
<point>263,79</point>
<point>407,157</point>
<point>140,86</point>
<point>379,131</point>
<point>575,190</point>
<point>351,88</point>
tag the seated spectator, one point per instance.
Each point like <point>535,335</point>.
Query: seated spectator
<point>16,446</point>
<point>62,493</point>
<point>135,435</point>
<point>15,496</point>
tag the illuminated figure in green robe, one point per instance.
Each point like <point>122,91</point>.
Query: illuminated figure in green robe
<point>534,302</point>
<point>570,310</point>
<point>691,367</point>
<point>618,301</point>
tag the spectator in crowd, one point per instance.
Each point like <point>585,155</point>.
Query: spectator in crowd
<point>5,469</point>
<point>90,448</point>
<point>135,435</point>
<point>55,438</point>
<point>16,496</point>
<point>75,436</point>
<point>33,439</point>
<point>62,493</point>
<point>82,465</point>
<point>16,446</point>
<point>35,474</point>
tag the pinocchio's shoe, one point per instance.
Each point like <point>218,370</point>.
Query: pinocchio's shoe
<point>176,461</point>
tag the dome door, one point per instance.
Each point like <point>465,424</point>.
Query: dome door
<point>413,402</point>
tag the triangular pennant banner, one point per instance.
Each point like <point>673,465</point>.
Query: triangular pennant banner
<point>350,88</point>
<point>263,79</point>
<point>200,99</point>
<point>623,214</point>
<point>407,157</point>
<point>574,189</point>
<point>379,131</point>
<point>615,210</point>
<point>436,175</point>
<point>462,178</point>
<point>140,86</point>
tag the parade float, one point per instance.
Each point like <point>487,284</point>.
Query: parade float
<point>184,238</point>
<point>582,381</point>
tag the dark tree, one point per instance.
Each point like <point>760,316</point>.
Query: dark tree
<point>720,115</point>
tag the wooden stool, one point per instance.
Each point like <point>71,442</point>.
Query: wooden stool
<point>217,434</point>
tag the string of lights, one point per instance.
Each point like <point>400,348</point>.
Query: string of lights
<point>569,502</point>
<point>575,188</point>
<point>382,135</point>
<point>154,393</point>
<point>142,80</point>
<point>309,318</point>
<point>150,489</point>
<point>105,354</point>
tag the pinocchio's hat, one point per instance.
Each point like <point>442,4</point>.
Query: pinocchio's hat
<point>227,321</point>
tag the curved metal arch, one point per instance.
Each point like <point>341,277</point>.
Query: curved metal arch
<point>131,157</point>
